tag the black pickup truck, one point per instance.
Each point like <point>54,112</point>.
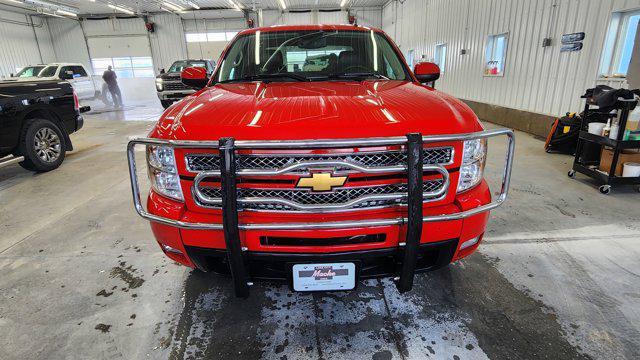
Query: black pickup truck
<point>36,118</point>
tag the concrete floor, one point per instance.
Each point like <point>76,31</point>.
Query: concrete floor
<point>557,277</point>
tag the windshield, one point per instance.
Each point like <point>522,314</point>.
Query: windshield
<point>178,66</point>
<point>311,55</point>
<point>48,71</point>
<point>29,71</point>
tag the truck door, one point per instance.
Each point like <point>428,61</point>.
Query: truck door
<point>84,82</point>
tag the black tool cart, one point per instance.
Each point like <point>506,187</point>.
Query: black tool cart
<point>602,105</point>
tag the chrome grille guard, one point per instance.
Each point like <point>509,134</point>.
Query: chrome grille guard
<point>319,144</point>
<point>414,168</point>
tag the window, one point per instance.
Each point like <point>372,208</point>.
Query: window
<point>441,56</point>
<point>495,55</point>
<point>211,36</point>
<point>125,67</point>
<point>410,58</point>
<point>620,43</point>
<point>48,71</point>
<point>29,71</point>
<point>178,66</point>
<point>311,55</point>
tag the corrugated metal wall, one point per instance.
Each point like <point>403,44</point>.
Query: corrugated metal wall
<point>69,41</point>
<point>21,43</point>
<point>536,79</point>
<point>167,42</point>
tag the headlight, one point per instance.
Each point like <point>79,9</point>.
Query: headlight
<point>163,172</point>
<point>159,85</point>
<point>474,156</point>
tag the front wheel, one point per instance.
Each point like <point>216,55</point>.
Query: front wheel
<point>42,145</point>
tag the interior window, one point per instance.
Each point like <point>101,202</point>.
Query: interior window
<point>441,56</point>
<point>495,55</point>
<point>620,43</point>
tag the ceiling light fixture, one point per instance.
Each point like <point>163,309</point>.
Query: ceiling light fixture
<point>65,12</point>
<point>14,1</point>
<point>173,6</point>
<point>193,5</point>
<point>343,3</point>
<point>121,9</point>
<point>283,5</point>
<point>235,5</point>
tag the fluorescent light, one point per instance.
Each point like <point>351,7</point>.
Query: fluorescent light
<point>343,3</point>
<point>14,1</point>
<point>172,6</point>
<point>235,5</point>
<point>283,5</point>
<point>193,5</point>
<point>121,9</point>
<point>65,12</point>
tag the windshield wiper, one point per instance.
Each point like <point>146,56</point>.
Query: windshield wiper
<point>269,77</point>
<point>357,76</point>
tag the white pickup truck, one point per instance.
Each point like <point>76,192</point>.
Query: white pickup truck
<point>74,73</point>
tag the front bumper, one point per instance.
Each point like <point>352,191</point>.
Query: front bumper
<point>407,253</point>
<point>174,94</point>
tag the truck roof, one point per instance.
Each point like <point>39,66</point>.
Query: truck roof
<point>319,27</point>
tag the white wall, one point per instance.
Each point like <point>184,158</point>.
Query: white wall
<point>69,41</point>
<point>537,79</point>
<point>167,42</point>
<point>21,43</point>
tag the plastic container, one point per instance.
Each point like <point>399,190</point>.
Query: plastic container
<point>596,128</point>
<point>631,169</point>
<point>613,133</point>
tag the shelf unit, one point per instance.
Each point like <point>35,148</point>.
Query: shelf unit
<point>590,167</point>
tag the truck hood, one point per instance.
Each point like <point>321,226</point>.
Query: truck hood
<point>314,110</point>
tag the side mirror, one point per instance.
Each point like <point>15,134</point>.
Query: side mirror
<point>195,77</point>
<point>427,72</point>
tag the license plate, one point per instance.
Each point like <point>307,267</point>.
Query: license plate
<point>324,277</point>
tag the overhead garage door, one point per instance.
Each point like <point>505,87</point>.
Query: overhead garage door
<point>130,56</point>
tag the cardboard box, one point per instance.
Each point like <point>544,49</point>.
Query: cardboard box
<point>606,157</point>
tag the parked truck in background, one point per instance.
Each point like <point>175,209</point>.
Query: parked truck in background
<point>76,74</point>
<point>36,118</point>
<point>169,86</point>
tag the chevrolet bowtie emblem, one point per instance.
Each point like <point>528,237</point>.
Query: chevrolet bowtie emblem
<point>321,181</point>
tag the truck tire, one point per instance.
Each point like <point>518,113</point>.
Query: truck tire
<point>42,144</point>
<point>166,103</point>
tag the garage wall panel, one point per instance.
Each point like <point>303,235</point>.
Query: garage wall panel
<point>167,42</point>
<point>69,41</point>
<point>21,43</point>
<point>536,79</point>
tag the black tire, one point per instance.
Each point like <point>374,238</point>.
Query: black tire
<point>34,158</point>
<point>571,174</point>
<point>166,103</point>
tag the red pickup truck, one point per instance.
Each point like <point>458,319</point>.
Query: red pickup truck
<point>318,173</point>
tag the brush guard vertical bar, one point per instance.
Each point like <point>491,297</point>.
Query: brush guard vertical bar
<point>237,264</point>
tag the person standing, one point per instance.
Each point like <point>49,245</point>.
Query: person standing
<point>110,78</point>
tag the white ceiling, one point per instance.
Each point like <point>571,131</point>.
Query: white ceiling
<point>142,6</point>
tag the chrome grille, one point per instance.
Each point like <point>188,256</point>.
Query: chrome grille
<point>337,196</point>
<point>207,162</point>
<point>202,162</point>
<point>175,86</point>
